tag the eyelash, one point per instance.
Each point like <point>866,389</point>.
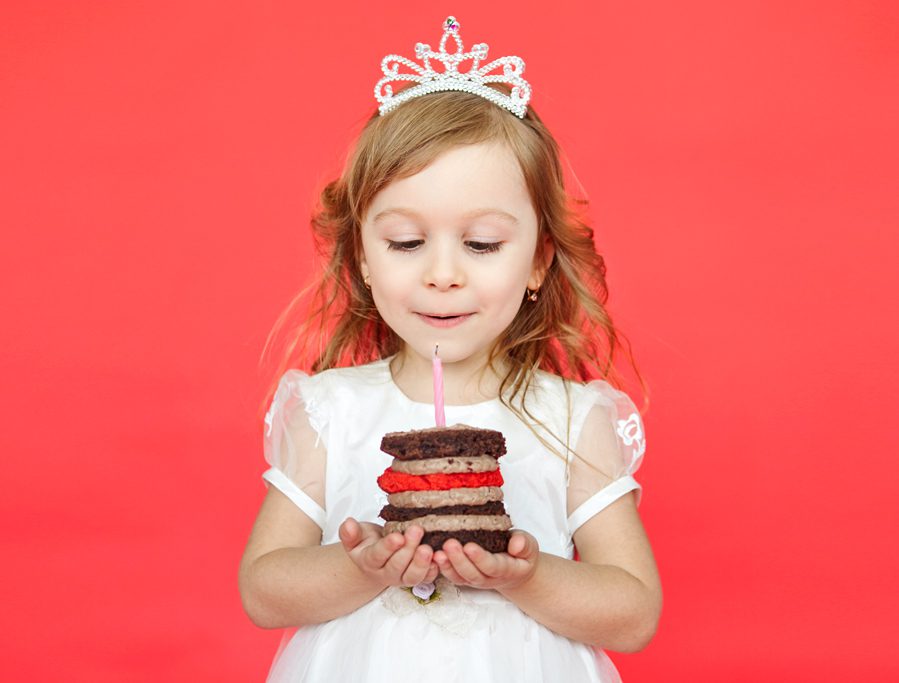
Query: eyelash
<point>476,247</point>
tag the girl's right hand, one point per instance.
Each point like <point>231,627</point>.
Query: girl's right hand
<point>392,560</point>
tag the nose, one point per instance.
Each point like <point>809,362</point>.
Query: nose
<point>443,270</point>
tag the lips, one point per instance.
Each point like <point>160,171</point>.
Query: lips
<point>444,315</point>
<point>444,319</point>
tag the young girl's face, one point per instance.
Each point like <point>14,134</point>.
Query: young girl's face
<point>450,250</point>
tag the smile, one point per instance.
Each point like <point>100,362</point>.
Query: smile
<point>437,320</point>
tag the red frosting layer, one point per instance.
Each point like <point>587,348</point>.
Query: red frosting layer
<point>393,482</point>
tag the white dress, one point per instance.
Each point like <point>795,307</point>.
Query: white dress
<point>468,635</point>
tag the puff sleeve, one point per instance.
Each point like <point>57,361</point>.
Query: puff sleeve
<point>294,443</point>
<point>609,450</point>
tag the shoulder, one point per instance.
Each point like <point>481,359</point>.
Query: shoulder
<point>335,385</point>
<point>583,397</point>
<point>547,386</point>
<point>582,403</point>
<point>371,374</point>
<point>354,377</point>
<point>297,384</point>
<point>557,404</point>
<point>324,396</point>
<point>576,397</point>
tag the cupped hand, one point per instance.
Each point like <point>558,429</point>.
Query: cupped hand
<point>471,565</point>
<point>393,559</point>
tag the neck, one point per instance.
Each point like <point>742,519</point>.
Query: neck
<point>464,382</point>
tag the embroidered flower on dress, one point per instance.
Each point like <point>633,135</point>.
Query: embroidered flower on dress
<point>425,591</point>
<point>446,607</point>
<point>631,432</point>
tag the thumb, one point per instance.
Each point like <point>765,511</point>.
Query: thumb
<point>522,545</point>
<point>350,533</point>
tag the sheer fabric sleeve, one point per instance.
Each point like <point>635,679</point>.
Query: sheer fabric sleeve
<point>609,450</point>
<point>294,443</point>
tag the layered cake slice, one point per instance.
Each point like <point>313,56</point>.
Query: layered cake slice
<point>447,480</point>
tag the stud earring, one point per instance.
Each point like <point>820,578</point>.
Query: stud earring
<point>367,281</point>
<point>531,295</point>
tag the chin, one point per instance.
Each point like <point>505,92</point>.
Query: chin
<point>448,351</point>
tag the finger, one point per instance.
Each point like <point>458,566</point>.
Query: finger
<point>487,563</point>
<point>445,567</point>
<point>419,560</point>
<point>350,533</point>
<point>400,560</point>
<point>379,553</point>
<point>419,566</point>
<point>522,545</point>
<point>461,563</point>
<point>516,544</point>
<point>450,573</point>
<point>433,571</point>
<point>371,531</point>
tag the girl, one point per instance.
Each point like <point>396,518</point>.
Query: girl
<point>450,226</point>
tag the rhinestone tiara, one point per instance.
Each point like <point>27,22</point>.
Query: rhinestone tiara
<point>474,80</point>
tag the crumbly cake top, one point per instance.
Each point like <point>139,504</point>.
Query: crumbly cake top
<point>444,442</point>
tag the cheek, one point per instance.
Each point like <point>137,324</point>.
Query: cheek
<point>392,275</point>
<point>504,289</point>
<point>385,271</point>
<point>507,277</point>
<point>390,290</point>
<point>388,293</point>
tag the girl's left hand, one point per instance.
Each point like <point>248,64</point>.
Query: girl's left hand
<point>471,565</point>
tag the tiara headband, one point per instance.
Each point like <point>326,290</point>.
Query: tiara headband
<point>474,81</point>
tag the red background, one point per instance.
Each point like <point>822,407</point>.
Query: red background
<point>159,163</point>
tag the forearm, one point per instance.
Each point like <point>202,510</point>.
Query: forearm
<point>602,605</point>
<point>297,586</point>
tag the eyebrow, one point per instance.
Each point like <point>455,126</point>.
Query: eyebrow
<point>475,213</point>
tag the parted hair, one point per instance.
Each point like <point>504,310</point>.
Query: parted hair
<point>566,331</point>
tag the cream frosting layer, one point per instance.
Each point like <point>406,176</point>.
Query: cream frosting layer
<point>433,499</point>
<point>453,523</point>
<point>455,465</point>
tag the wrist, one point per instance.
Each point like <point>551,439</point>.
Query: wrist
<point>524,584</point>
<point>362,580</point>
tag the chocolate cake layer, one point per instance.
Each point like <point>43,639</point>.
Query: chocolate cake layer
<point>453,523</point>
<point>460,496</point>
<point>483,463</point>
<point>491,541</point>
<point>444,442</point>
<point>391,513</point>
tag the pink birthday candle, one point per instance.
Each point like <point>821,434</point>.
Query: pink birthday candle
<point>437,368</point>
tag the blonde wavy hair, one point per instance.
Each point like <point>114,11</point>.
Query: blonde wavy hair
<point>567,331</point>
